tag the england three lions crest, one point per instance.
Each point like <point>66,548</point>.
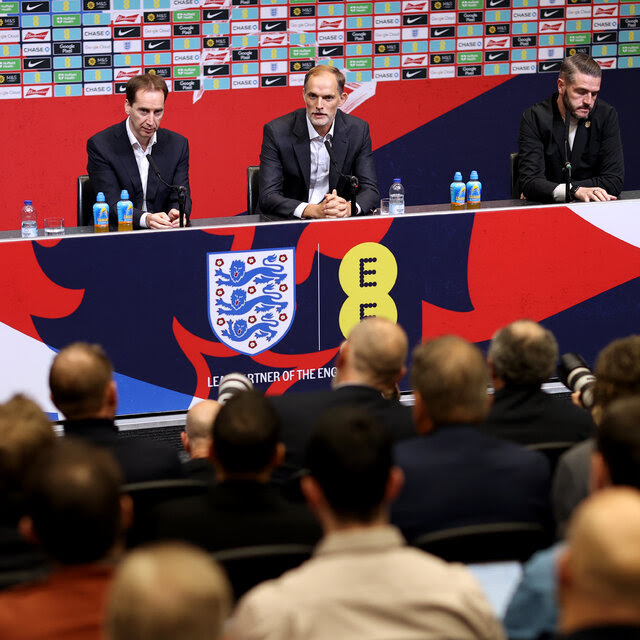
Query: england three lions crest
<point>251,297</point>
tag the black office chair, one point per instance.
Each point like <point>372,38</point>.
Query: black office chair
<point>493,542</point>
<point>85,201</point>
<point>515,176</point>
<point>552,450</point>
<point>147,495</point>
<point>253,188</point>
<point>249,566</point>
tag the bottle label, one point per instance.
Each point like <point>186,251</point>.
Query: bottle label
<point>101,214</point>
<point>396,208</point>
<point>458,192</point>
<point>473,193</point>
<point>125,211</point>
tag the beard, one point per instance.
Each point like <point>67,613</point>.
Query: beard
<point>568,107</point>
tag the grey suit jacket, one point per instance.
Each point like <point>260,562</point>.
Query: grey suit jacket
<point>285,163</point>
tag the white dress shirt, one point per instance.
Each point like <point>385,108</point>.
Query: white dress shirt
<point>143,166</point>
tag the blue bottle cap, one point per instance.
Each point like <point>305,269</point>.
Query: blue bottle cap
<point>474,175</point>
<point>100,197</point>
<point>124,195</point>
<point>457,177</point>
<point>396,179</point>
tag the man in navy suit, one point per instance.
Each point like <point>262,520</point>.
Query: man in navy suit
<point>117,158</point>
<point>455,473</point>
<point>298,179</point>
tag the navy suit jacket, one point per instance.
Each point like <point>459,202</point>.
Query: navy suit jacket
<point>285,163</point>
<point>596,154</point>
<point>112,167</point>
<point>457,475</point>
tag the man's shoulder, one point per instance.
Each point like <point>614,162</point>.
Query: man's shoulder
<point>542,108</point>
<point>287,120</point>
<point>170,136</point>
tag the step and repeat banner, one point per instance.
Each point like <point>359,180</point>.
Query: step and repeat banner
<point>69,48</point>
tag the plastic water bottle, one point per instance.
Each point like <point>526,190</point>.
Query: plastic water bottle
<point>125,212</point>
<point>457,192</point>
<point>100,214</point>
<point>396,198</point>
<point>29,220</point>
<point>474,191</point>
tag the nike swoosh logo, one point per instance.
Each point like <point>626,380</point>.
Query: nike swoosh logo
<point>270,27</point>
<point>546,67</point>
<point>495,3</point>
<point>411,74</point>
<point>33,7</point>
<point>155,45</point>
<point>31,63</point>
<point>213,70</point>
<point>602,37</point>
<point>328,52</point>
<point>440,32</point>
<point>268,82</point>
<point>550,14</point>
<point>124,32</point>
<point>213,15</point>
<point>494,56</point>
<point>412,20</point>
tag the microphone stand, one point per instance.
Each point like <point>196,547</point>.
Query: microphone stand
<point>567,159</point>
<point>352,180</point>
<point>180,190</point>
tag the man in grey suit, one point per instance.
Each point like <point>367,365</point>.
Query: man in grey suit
<point>298,178</point>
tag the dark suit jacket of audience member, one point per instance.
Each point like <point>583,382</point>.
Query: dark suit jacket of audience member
<point>139,459</point>
<point>527,415</point>
<point>234,514</point>
<point>299,411</point>
<point>200,469</point>
<point>457,475</point>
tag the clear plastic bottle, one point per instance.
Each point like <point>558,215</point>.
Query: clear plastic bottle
<point>396,198</point>
<point>28,220</point>
<point>100,214</point>
<point>457,192</point>
<point>125,212</point>
<point>474,191</point>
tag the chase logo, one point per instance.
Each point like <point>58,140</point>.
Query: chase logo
<point>251,297</point>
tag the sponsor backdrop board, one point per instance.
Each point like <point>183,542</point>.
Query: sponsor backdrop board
<point>274,301</point>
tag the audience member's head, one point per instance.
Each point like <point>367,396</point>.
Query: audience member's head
<point>449,377</point>
<point>616,459</point>
<point>617,372</point>
<point>352,479</point>
<point>522,353</point>
<point>198,431</point>
<point>599,572</point>
<point>81,382</point>
<point>374,354</point>
<point>72,502</point>
<point>168,591</point>
<point>25,431</point>
<point>246,438</point>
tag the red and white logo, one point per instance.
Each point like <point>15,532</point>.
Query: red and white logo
<point>600,11</point>
<point>416,7</point>
<point>216,55</point>
<point>606,63</point>
<point>36,35</point>
<point>552,27</point>
<point>132,18</point>
<point>38,92</point>
<point>273,40</point>
<point>216,4</point>
<point>496,43</point>
<point>414,61</point>
<point>122,75</point>
<point>325,23</point>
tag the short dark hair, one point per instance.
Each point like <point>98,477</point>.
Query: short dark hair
<point>618,440</point>
<point>579,63</point>
<point>451,376</point>
<point>78,379</point>
<point>325,68</point>
<point>524,352</point>
<point>245,433</point>
<point>617,371</point>
<point>349,454</point>
<point>146,82</point>
<point>72,494</point>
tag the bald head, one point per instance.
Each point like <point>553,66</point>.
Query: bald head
<point>523,352</point>
<point>198,432</point>
<point>450,377</point>
<point>80,379</point>
<point>600,569</point>
<point>374,354</point>
<point>168,591</point>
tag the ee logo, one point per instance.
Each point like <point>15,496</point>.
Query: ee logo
<point>367,274</point>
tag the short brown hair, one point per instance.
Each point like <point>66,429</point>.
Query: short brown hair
<point>325,68</point>
<point>146,82</point>
<point>579,63</point>
<point>617,371</point>
<point>451,377</point>
<point>78,379</point>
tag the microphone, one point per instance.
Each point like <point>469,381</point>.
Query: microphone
<point>567,158</point>
<point>179,189</point>
<point>353,180</point>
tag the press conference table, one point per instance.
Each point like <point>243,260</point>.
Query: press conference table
<point>160,302</point>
